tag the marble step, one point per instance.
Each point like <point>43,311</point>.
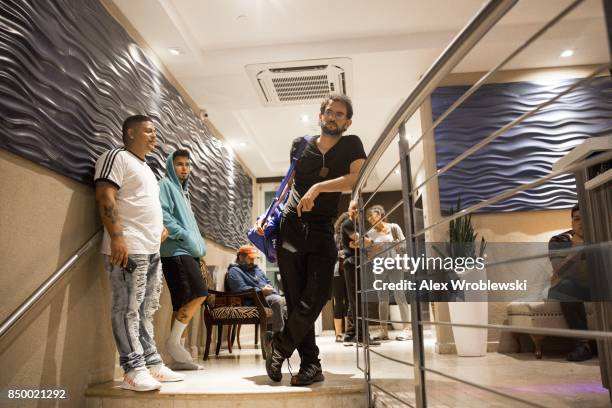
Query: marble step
<point>205,389</point>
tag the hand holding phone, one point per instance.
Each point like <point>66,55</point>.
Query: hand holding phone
<point>131,265</point>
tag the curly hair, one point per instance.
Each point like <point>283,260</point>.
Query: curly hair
<point>379,209</point>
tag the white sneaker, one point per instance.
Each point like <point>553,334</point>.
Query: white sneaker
<point>139,379</point>
<point>404,335</point>
<point>178,352</point>
<point>163,374</point>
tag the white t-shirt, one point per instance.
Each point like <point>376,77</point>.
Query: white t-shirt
<point>386,237</point>
<point>138,206</point>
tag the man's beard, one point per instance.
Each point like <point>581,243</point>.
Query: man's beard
<point>337,131</point>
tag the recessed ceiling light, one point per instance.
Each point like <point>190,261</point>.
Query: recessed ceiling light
<point>397,171</point>
<point>174,51</point>
<point>304,118</point>
<point>567,53</point>
<point>242,144</point>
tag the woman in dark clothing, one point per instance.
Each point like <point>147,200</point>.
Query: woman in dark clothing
<point>339,285</point>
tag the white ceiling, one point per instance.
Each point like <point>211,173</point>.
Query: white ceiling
<point>390,42</point>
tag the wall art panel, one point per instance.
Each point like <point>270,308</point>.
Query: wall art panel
<point>71,74</point>
<point>524,153</point>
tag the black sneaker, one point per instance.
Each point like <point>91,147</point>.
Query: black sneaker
<point>371,342</point>
<point>348,340</point>
<point>308,374</point>
<point>580,353</point>
<point>274,359</point>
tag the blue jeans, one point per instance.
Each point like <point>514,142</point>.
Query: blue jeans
<point>279,311</point>
<point>135,298</point>
<point>393,276</point>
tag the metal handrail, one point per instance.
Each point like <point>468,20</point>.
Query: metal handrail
<point>369,319</point>
<point>381,183</point>
<point>484,388</point>
<point>545,331</point>
<point>398,399</point>
<point>43,289</point>
<point>486,77</point>
<point>506,194</point>
<point>395,360</point>
<point>487,17</point>
<point>498,133</point>
<point>461,45</point>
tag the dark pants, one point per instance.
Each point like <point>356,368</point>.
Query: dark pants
<point>339,293</point>
<point>567,292</point>
<point>306,256</point>
<point>354,308</point>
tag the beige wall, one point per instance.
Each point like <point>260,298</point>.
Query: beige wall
<point>66,341</point>
<point>522,226</point>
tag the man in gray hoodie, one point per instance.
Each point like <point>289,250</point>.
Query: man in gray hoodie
<point>180,255</point>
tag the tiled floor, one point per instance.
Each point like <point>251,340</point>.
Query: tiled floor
<point>240,380</point>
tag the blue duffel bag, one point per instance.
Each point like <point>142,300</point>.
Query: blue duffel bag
<point>270,220</point>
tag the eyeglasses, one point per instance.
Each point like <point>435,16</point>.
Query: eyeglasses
<point>338,115</point>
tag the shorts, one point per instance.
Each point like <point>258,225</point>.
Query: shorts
<point>184,279</point>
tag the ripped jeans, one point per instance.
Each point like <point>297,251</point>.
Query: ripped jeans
<point>135,298</point>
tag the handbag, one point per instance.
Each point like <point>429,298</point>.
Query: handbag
<point>270,220</point>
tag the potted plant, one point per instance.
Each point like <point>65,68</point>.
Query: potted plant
<point>468,307</point>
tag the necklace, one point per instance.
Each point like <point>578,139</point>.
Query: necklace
<point>324,170</point>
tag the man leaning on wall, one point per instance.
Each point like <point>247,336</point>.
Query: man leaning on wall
<point>127,194</point>
<point>180,255</point>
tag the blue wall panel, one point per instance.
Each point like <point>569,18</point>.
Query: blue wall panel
<point>524,153</point>
<point>71,74</point>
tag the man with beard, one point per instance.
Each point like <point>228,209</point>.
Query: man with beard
<point>306,249</point>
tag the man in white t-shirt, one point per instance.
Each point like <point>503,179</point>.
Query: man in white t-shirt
<point>127,194</point>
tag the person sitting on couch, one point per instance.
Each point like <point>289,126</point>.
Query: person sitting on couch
<point>569,283</point>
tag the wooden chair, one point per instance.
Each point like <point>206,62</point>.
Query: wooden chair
<point>225,308</point>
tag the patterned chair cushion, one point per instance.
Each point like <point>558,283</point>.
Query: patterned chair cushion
<point>238,312</point>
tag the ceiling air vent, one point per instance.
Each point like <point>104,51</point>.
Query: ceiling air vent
<point>300,82</point>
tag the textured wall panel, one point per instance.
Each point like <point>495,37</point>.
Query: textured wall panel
<point>524,153</point>
<point>70,75</point>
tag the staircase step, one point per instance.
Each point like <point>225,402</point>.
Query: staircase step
<point>201,389</point>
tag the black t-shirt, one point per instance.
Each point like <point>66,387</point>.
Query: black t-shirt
<point>338,160</point>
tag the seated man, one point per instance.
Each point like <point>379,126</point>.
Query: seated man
<point>569,283</point>
<point>245,274</point>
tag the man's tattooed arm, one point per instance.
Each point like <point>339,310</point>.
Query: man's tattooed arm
<point>106,198</point>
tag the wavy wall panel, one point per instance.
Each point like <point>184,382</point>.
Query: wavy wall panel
<point>70,75</point>
<point>524,153</point>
